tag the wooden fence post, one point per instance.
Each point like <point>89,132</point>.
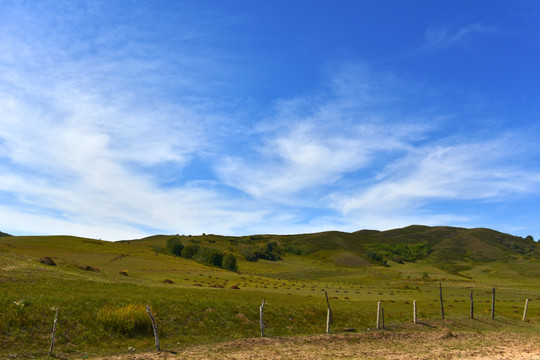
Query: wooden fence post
<point>154,327</point>
<point>472,305</point>
<point>525,310</point>
<point>379,315</point>
<point>329,318</point>
<point>261,320</point>
<point>493,304</point>
<point>440,296</point>
<point>415,318</point>
<point>53,332</point>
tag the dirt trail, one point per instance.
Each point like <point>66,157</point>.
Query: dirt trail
<point>375,345</point>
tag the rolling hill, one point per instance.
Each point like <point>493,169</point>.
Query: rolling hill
<point>100,286</point>
<point>453,250</point>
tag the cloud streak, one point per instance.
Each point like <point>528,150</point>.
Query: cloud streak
<point>78,138</point>
<point>480,172</point>
<point>442,38</point>
<point>112,134</point>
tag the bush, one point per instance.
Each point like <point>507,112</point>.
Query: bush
<point>248,253</point>
<point>229,262</point>
<point>374,255</point>
<point>291,249</point>
<point>209,256</point>
<point>398,253</point>
<point>174,246</point>
<point>190,250</point>
<point>216,257</point>
<point>129,320</point>
<point>270,251</point>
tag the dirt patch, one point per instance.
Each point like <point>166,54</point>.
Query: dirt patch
<point>242,317</point>
<point>371,345</point>
<point>47,261</point>
<point>87,268</point>
<point>121,256</point>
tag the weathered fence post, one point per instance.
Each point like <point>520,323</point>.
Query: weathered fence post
<point>472,305</point>
<point>415,318</point>
<point>154,327</point>
<point>328,314</point>
<point>525,310</point>
<point>53,332</point>
<point>440,296</point>
<point>379,315</point>
<point>493,304</point>
<point>261,320</point>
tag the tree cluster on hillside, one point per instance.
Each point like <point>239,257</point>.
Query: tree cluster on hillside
<point>202,254</point>
<point>268,251</point>
<point>521,248</point>
<point>174,246</point>
<point>399,253</point>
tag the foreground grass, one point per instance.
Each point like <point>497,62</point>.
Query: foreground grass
<point>200,307</point>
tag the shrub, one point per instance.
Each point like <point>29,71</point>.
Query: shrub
<point>248,253</point>
<point>189,251</point>
<point>294,249</point>
<point>374,255</point>
<point>129,320</point>
<point>270,251</point>
<point>216,257</point>
<point>209,256</point>
<point>229,262</point>
<point>398,253</point>
<point>174,246</point>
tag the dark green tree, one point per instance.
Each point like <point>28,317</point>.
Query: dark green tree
<point>174,246</point>
<point>229,262</point>
<point>190,250</point>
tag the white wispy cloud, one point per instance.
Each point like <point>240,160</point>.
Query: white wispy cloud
<point>313,142</point>
<point>442,37</point>
<point>80,131</point>
<point>466,171</point>
<point>102,133</point>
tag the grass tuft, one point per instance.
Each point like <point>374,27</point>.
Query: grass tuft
<point>129,320</point>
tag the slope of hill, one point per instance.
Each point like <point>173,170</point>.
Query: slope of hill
<point>453,250</point>
<point>98,285</point>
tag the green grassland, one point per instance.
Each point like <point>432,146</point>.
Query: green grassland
<point>101,312</point>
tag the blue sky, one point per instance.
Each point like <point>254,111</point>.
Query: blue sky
<point>121,119</point>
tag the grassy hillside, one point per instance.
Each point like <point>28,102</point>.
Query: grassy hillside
<point>101,287</point>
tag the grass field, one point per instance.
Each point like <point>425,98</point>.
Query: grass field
<point>101,313</point>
